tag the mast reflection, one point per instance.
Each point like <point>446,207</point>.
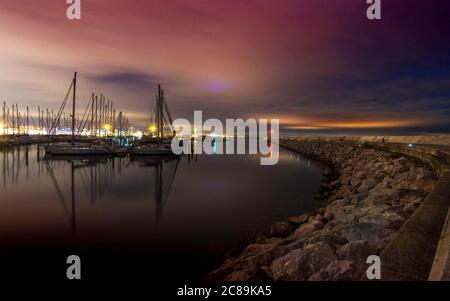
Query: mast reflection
<point>78,178</point>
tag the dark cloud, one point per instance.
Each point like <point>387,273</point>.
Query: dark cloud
<point>127,80</point>
<point>313,60</point>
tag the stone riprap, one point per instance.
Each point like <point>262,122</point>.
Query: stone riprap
<point>368,197</point>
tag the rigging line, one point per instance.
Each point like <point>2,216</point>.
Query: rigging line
<point>32,119</point>
<point>56,121</point>
<point>166,106</point>
<point>61,109</point>
<point>84,115</point>
<point>167,127</point>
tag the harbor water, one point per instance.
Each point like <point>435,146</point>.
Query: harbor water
<point>171,215</point>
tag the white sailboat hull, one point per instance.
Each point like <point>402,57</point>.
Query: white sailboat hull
<point>76,149</point>
<point>152,151</point>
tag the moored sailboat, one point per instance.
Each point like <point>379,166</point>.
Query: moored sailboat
<point>77,148</point>
<point>159,145</point>
<point>73,147</point>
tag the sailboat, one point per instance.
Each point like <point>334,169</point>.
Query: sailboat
<point>73,147</point>
<point>161,144</point>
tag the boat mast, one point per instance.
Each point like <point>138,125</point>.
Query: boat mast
<point>73,107</point>
<point>5,121</point>
<point>161,116</point>
<point>28,121</point>
<point>158,112</point>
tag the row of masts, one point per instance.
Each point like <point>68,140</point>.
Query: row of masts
<point>100,119</point>
<point>17,122</point>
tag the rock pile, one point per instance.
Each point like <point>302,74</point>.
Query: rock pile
<point>368,199</point>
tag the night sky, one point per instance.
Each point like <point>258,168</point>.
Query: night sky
<point>318,65</point>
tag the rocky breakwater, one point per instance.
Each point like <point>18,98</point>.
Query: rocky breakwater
<point>368,198</point>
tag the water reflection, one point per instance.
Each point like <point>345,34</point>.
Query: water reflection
<point>194,203</point>
<point>92,175</point>
<point>164,171</point>
<point>164,214</point>
<point>16,161</point>
<point>96,174</point>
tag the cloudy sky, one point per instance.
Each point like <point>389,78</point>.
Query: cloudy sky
<point>315,64</point>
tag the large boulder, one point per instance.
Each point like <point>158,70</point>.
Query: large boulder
<point>300,264</point>
<point>304,231</point>
<point>281,229</point>
<point>299,219</point>
<point>330,238</point>
<point>252,273</point>
<point>387,219</point>
<point>363,231</point>
<point>358,250</point>
<point>368,184</point>
<point>383,196</point>
<point>338,270</point>
<point>335,207</point>
<point>317,225</point>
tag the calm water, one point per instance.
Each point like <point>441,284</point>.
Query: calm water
<point>181,212</point>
